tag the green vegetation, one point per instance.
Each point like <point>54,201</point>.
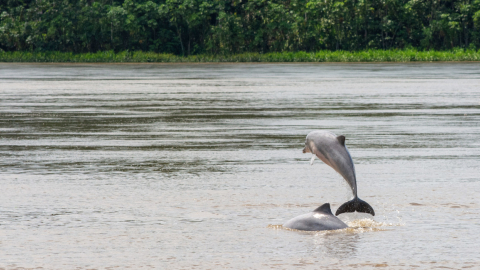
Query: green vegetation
<point>320,56</point>
<point>253,29</point>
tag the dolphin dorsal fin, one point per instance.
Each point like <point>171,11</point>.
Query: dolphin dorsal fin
<point>341,140</point>
<point>324,209</point>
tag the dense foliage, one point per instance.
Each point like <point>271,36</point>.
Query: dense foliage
<point>186,27</point>
<point>408,55</point>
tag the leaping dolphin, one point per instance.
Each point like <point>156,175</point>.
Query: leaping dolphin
<point>332,150</point>
<point>321,219</point>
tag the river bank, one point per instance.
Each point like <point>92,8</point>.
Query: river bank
<point>409,55</point>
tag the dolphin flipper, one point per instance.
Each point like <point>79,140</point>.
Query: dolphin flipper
<point>313,159</point>
<point>355,205</point>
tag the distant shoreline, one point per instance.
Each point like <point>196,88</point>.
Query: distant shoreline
<point>367,56</point>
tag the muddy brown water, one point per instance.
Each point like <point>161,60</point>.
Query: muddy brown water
<point>190,166</point>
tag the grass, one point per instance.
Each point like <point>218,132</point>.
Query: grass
<point>408,55</point>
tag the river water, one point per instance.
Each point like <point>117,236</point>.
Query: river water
<point>195,166</point>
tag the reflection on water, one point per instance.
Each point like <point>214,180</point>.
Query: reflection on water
<point>337,246</point>
<point>184,166</point>
<point>341,243</point>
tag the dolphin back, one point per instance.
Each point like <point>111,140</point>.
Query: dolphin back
<point>320,219</point>
<point>355,205</point>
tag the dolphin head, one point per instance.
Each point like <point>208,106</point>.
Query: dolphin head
<point>310,142</point>
<point>307,148</point>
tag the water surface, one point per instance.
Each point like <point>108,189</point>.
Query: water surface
<point>194,166</point>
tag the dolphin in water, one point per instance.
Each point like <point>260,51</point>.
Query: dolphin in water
<point>332,150</point>
<point>321,219</point>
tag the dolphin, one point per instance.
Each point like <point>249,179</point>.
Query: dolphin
<point>321,219</point>
<point>332,150</point>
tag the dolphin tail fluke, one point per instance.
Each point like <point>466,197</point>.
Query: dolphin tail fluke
<point>355,205</point>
